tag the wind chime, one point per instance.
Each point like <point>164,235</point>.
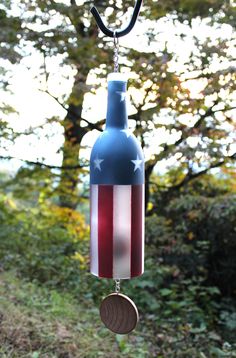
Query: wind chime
<point>117,198</point>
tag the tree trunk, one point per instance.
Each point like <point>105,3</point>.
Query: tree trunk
<point>73,135</point>
<point>148,172</point>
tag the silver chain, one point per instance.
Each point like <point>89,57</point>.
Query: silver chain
<point>116,52</point>
<point>117,286</point>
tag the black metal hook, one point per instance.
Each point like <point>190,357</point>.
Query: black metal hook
<point>118,33</point>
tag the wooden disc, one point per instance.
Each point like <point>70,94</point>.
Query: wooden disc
<point>119,313</point>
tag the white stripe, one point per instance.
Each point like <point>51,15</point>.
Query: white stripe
<point>121,231</point>
<point>143,225</point>
<point>94,231</point>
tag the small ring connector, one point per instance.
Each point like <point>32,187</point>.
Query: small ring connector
<point>117,289</point>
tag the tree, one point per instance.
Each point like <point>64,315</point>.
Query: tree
<point>197,127</point>
<point>200,126</point>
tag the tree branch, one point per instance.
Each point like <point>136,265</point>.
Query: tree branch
<point>44,165</point>
<point>185,134</point>
<point>190,175</point>
<point>29,131</point>
<point>96,126</point>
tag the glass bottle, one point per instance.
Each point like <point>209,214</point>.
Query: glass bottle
<point>117,193</point>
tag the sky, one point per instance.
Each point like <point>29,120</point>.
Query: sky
<point>34,106</point>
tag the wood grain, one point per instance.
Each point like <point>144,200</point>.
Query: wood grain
<point>119,313</point>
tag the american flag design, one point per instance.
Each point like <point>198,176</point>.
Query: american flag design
<point>116,195</point>
<point>117,231</point>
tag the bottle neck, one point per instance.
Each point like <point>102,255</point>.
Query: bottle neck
<point>116,106</point>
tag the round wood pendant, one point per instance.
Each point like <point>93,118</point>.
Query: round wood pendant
<point>119,313</point>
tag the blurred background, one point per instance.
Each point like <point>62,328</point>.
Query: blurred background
<point>181,61</point>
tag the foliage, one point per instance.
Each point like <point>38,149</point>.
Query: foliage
<point>182,310</point>
<point>43,241</point>
<point>207,227</point>
<point>10,34</point>
<point>38,322</point>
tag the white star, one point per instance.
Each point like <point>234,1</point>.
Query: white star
<point>127,132</point>
<point>97,163</point>
<point>122,95</point>
<point>137,163</point>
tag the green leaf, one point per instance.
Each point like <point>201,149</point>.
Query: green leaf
<point>35,355</point>
<point>165,292</point>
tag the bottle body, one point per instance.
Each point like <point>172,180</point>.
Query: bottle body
<point>117,195</point>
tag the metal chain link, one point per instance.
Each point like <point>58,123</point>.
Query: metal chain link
<point>116,69</point>
<point>117,286</point>
<point>116,52</point>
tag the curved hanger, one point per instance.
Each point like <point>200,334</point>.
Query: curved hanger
<point>117,33</point>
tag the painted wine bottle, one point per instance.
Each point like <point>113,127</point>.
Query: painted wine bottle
<point>117,193</point>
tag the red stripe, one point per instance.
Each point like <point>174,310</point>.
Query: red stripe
<point>105,230</point>
<point>136,230</point>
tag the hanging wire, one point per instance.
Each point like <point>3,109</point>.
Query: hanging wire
<point>116,52</point>
<point>117,289</point>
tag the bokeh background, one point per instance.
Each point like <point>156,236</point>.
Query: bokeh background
<point>181,61</point>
